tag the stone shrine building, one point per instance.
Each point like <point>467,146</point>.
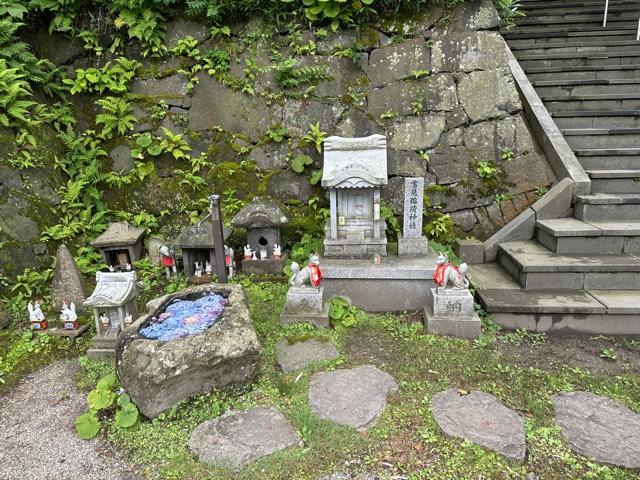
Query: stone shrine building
<point>197,245</point>
<point>354,170</point>
<point>120,245</point>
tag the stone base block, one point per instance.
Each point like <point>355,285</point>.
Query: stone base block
<point>463,327</point>
<point>412,247</point>
<point>452,302</point>
<point>63,332</point>
<point>470,251</point>
<point>101,353</point>
<point>264,267</point>
<point>366,248</point>
<point>317,319</point>
<point>305,304</point>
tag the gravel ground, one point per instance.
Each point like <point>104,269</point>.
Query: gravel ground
<point>37,432</point>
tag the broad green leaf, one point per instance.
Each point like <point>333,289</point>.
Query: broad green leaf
<point>107,382</point>
<point>100,399</point>
<point>87,425</point>
<point>127,416</point>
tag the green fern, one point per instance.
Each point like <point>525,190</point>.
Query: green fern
<point>116,116</point>
<point>14,91</point>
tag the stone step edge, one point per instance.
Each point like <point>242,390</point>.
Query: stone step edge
<point>597,152</point>
<point>606,96</point>
<point>577,132</point>
<point>596,113</point>
<point>571,55</point>
<point>622,173</point>
<point>588,82</point>
<point>582,68</point>
<point>609,199</point>
<point>545,46</point>
<point>594,229</point>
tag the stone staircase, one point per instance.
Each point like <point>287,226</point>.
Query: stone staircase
<point>581,273</point>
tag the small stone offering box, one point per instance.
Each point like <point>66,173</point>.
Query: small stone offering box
<point>450,312</point>
<point>305,304</point>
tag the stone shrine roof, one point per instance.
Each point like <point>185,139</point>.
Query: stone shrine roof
<point>199,235</point>
<point>113,289</point>
<point>355,162</point>
<point>118,234</point>
<point>260,212</point>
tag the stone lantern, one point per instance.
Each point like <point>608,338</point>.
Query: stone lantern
<point>354,171</point>
<point>262,218</point>
<point>120,245</point>
<point>114,307</point>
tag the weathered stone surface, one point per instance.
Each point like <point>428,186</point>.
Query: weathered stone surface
<point>159,374</point>
<point>180,28</point>
<point>270,156</point>
<point>68,283</point>
<point>393,194</point>
<point>436,93</point>
<point>171,86</point>
<point>481,418</point>
<point>398,61</point>
<point>479,140</point>
<point>344,75</point>
<point>526,173</point>
<point>237,438</point>
<point>415,24</point>
<point>405,163</point>
<point>417,133</point>
<point>123,162</point>
<point>475,15</point>
<point>153,245</point>
<point>57,47</point>
<point>5,319</point>
<point>17,226</point>
<point>599,427</point>
<point>298,115</point>
<point>354,397</point>
<point>215,105</point>
<point>450,164</point>
<point>299,355</point>
<point>468,51</point>
<point>356,123</point>
<point>339,40</point>
<point>465,219</point>
<point>9,179</point>
<point>289,186</point>
<point>488,94</point>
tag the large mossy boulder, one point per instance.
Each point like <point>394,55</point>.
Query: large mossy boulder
<point>159,374</point>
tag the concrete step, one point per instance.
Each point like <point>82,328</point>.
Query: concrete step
<point>567,30</point>
<point>533,44</point>
<point>615,181</point>
<point>612,158</point>
<point>612,72</point>
<point>558,103</point>
<point>598,87</point>
<point>555,36</point>
<point>589,19</point>
<point>538,268</point>
<point>596,6</point>
<point>608,206</point>
<point>590,138</point>
<point>573,236</point>
<point>579,59</point>
<point>626,119</point>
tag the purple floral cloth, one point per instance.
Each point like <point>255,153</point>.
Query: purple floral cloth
<point>185,317</point>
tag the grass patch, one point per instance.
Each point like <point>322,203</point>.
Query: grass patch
<point>406,441</point>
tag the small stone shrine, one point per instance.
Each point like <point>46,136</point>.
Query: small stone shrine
<point>262,219</point>
<point>68,283</point>
<point>120,245</point>
<point>114,308</point>
<point>354,170</point>
<point>305,297</point>
<point>412,243</point>
<point>198,249</point>
<point>449,309</point>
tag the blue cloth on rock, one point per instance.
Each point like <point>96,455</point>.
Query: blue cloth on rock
<point>185,317</point>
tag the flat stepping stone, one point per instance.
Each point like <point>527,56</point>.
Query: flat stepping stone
<point>298,355</point>
<point>237,438</point>
<point>481,418</point>
<point>354,397</point>
<point>599,428</point>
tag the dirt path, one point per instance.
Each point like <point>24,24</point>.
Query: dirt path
<point>37,432</point>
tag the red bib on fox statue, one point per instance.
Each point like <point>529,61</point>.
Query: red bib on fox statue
<point>439,275</point>
<point>315,274</point>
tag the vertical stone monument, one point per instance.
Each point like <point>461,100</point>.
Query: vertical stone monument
<point>305,303</point>
<point>412,243</point>
<point>449,310</point>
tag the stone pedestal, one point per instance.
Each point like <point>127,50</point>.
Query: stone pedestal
<point>306,304</point>
<point>470,251</point>
<point>412,247</point>
<point>268,266</point>
<point>450,312</point>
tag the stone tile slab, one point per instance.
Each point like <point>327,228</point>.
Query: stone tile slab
<point>491,276</point>
<point>599,427</point>
<point>629,228</point>
<point>353,397</point>
<point>237,438</point>
<point>299,355</point>
<point>619,301</point>
<point>568,227</point>
<point>540,301</point>
<point>481,418</point>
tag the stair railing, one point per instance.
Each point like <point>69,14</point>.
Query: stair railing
<point>604,21</point>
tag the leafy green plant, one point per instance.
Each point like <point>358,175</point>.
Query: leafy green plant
<point>289,75</point>
<point>440,228</point>
<point>420,73</point>
<point>114,77</point>
<point>509,11</point>
<point>103,399</point>
<point>299,162</point>
<point>146,145</point>
<point>314,137</point>
<point>116,116</point>
<point>174,144</point>
<point>14,93</point>
<point>277,133</point>
<point>145,25</point>
<point>342,313</point>
<point>486,170</point>
<point>608,354</point>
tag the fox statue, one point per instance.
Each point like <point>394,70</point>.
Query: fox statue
<point>310,273</point>
<point>447,274</point>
